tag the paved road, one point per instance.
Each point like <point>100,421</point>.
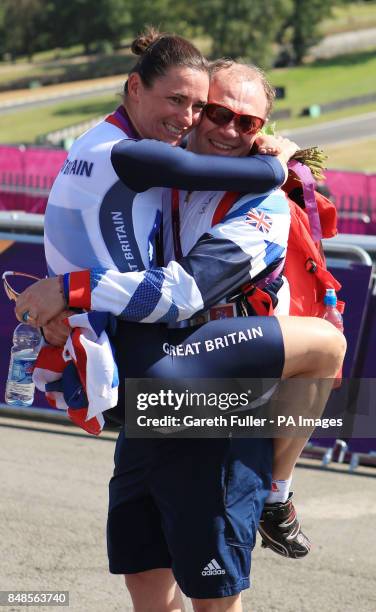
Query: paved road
<point>343,42</point>
<point>52,532</point>
<point>46,99</point>
<point>341,130</point>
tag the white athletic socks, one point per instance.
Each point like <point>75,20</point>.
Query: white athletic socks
<point>279,491</point>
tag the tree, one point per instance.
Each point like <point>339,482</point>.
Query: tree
<point>243,29</point>
<point>86,22</point>
<point>304,23</point>
<point>22,27</point>
<point>176,16</point>
<point>2,30</point>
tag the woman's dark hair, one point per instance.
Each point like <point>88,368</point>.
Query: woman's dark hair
<point>159,52</point>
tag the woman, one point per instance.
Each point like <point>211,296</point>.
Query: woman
<point>138,506</point>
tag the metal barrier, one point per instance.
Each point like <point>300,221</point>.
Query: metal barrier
<point>19,225</point>
<point>352,260</point>
<point>345,250</point>
<point>367,243</point>
<point>350,257</point>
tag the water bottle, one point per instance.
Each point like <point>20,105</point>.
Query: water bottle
<point>331,313</point>
<point>20,388</point>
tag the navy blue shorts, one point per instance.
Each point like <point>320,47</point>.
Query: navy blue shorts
<point>192,505</point>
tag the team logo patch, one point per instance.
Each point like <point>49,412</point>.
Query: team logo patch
<point>259,220</point>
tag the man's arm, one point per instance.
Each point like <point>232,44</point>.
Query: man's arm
<point>149,163</point>
<point>251,238</point>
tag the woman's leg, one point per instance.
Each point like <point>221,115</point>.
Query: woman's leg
<point>314,352</point>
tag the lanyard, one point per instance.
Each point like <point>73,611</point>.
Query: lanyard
<point>175,218</point>
<point>221,211</point>
<point>308,184</point>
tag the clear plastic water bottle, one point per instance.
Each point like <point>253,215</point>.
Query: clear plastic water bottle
<point>20,388</point>
<point>331,313</point>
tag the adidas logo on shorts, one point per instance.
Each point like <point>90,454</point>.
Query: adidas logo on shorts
<point>212,569</point>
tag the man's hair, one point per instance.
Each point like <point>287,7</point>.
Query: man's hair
<point>161,51</point>
<point>249,69</point>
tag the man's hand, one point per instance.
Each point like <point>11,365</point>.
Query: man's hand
<point>40,302</point>
<point>56,332</point>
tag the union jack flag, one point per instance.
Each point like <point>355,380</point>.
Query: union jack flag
<point>260,220</point>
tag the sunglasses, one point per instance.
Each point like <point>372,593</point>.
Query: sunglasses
<point>12,293</point>
<point>222,115</point>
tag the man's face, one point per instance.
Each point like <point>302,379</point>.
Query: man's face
<point>240,95</point>
<point>169,109</point>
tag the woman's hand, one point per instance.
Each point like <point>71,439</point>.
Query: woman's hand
<point>40,302</point>
<point>288,149</point>
<point>57,331</point>
<point>266,144</point>
<point>283,148</point>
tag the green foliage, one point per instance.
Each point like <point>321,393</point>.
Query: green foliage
<point>86,22</point>
<point>246,29</point>
<point>303,25</point>
<point>57,23</point>
<point>22,35</point>
<point>175,16</point>
<point>243,28</point>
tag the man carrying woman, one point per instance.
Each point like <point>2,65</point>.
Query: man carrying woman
<point>178,505</point>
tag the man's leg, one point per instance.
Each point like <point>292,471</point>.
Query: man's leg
<point>210,493</point>
<point>224,604</point>
<point>155,591</point>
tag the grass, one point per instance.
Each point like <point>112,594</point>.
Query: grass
<point>358,156</point>
<point>350,17</point>
<point>65,69</point>
<point>323,81</point>
<point>49,55</point>
<point>297,122</point>
<point>326,80</point>
<point>26,126</point>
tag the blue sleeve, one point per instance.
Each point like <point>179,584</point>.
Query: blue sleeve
<point>233,253</point>
<point>149,163</point>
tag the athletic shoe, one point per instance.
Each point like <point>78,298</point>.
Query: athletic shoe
<point>280,530</point>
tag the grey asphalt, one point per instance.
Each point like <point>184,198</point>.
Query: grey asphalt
<point>349,129</point>
<point>343,42</point>
<point>53,501</point>
<point>6,108</point>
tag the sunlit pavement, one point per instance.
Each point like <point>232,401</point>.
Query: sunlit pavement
<point>53,514</point>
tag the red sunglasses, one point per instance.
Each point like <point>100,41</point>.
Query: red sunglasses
<point>222,115</point>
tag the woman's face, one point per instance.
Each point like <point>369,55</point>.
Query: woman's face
<point>171,107</point>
